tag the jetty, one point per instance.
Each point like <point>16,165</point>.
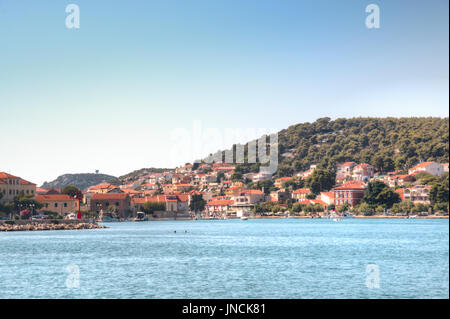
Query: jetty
<point>52,224</point>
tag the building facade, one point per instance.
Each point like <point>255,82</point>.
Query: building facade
<point>60,204</point>
<point>350,193</point>
<point>12,186</point>
<point>101,202</point>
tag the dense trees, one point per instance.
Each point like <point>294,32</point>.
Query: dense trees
<point>439,192</point>
<point>386,143</point>
<point>379,194</point>
<point>197,203</point>
<point>321,180</point>
<point>70,190</point>
<point>266,185</point>
<point>151,207</point>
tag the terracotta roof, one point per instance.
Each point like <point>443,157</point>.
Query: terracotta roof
<point>102,186</point>
<point>302,191</point>
<point>54,198</point>
<point>319,201</point>
<point>111,196</point>
<point>283,179</point>
<point>253,192</point>
<point>424,164</point>
<point>4,175</point>
<point>168,198</point>
<point>346,164</point>
<point>328,194</point>
<point>350,185</point>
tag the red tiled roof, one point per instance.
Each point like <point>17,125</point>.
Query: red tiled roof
<point>54,198</point>
<point>110,196</point>
<point>350,185</point>
<point>424,164</point>
<point>328,194</point>
<point>302,191</point>
<point>102,186</point>
<point>346,164</point>
<point>319,201</point>
<point>4,175</point>
<point>283,179</point>
<point>253,192</point>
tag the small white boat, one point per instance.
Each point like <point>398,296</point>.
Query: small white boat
<point>244,218</point>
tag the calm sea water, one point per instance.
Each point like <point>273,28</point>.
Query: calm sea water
<point>282,258</point>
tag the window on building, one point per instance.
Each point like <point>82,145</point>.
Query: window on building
<point>56,205</point>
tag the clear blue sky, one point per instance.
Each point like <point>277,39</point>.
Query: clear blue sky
<point>109,95</point>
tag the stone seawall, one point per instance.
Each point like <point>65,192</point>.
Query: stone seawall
<point>32,225</point>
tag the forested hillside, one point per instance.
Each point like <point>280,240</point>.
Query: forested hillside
<point>386,143</point>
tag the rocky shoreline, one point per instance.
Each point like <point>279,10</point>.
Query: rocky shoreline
<point>36,226</point>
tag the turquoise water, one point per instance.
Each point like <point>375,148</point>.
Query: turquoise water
<point>281,258</point>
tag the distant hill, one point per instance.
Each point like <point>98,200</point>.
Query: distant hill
<point>386,143</point>
<point>135,175</point>
<point>81,181</point>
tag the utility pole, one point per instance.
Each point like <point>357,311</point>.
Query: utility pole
<point>79,196</point>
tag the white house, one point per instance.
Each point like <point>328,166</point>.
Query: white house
<point>432,168</point>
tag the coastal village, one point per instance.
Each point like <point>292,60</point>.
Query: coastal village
<point>212,191</point>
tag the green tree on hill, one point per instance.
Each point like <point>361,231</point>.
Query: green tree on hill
<point>379,194</point>
<point>197,203</point>
<point>70,190</point>
<point>321,180</point>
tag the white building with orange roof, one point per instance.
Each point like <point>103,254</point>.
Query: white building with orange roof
<point>279,181</point>
<point>219,206</point>
<point>432,168</point>
<point>12,186</point>
<point>445,167</point>
<point>300,194</point>
<point>417,194</point>
<point>344,170</point>
<point>102,188</point>
<point>327,197</point>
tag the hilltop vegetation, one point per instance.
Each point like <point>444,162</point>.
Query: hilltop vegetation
<point>385,143</point>
<point>82,181</point>
<point>135,175</point>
